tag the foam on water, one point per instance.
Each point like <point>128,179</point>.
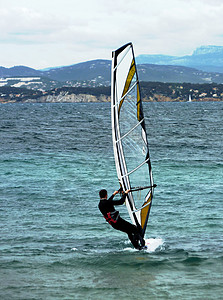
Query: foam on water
<point>151,244</point>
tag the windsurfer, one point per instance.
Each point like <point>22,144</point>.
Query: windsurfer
<point>106,206</point>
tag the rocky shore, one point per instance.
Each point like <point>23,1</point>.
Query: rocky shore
<point>70,98</point>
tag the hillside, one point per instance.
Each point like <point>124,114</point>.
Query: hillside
<point>97,73</point>
<point>205,58</point>
<point>178,74</point>
<point>95,70</point>
<point>19,71</point>
<point>205,65</point>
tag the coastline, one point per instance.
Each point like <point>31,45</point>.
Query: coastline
<point>150,92</point>
<point>87,98</point>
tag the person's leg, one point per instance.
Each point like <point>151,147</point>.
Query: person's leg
<point>125,226</point>
<point>134,240</point>
<point>132,231</point>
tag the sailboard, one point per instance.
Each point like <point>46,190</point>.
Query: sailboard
<point>130,143</point>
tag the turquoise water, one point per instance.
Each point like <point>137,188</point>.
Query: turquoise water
<point>54,244</point>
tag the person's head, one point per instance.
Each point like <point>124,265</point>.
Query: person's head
<point>103,194</point>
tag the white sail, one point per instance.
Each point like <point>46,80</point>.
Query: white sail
<point>129,135</point>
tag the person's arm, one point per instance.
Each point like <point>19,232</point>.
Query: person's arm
<point>121,201</point>
<point>112,196</point>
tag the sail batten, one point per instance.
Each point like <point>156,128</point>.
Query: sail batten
<point>122,137</point>
<point>139,166</point>
<point>130,144</point>
<point>136,210</point>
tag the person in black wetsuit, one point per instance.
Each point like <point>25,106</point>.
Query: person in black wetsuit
<point>106,206</point>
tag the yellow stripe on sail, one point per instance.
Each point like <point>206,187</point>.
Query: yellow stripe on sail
<point>144,212</point>
<point>139,115</point>
<point>129,78</point>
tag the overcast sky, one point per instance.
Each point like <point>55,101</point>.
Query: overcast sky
<point>48,33</point>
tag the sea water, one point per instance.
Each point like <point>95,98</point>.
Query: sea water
<point>54,243</point>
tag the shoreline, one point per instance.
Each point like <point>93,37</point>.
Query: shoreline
<point>87,98</point>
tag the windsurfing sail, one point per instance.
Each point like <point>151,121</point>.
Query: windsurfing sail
<point>130,144</point>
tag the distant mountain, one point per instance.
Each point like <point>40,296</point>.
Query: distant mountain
<point>205,58</point>
<point>177,74</point>
<point>97,73</point>
<point>98,70</point>
<point>189,69</point>
<point>90,73</point>
<point>19,71</point>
